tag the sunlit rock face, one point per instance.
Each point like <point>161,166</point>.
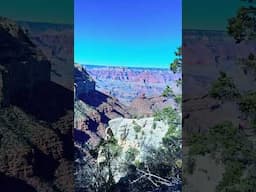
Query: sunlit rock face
<point>135,137</point>
<point>138,133</point>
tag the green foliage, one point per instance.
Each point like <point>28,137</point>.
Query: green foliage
<point>247,103</point>
<point>168,92</point>
<point>165,160</point>
<point>198,144</point>
<point>154,125</point>
<point>178,99</point>
<point>137,163</point>
<point>249,183</point>
<point>131,154</point>
<point>223,137</point>
<point>110,148</point>
<point>137,128</point>
<point>168,114</point>
<point>235,149</point>
<point>115,149</point>
<point>248,64</point>
<point>172,117</point>
<point>176,65</point>
<point>112,141</point>
<point>242,26</point>
<point>224,88</point>
<point>231,177</point>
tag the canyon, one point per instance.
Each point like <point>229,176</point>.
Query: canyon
<point>126,84</point>
<point>121,104</point>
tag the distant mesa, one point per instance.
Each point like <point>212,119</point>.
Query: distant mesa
<point>130,83</point>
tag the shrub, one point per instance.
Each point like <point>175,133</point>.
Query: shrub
<point>131,154</point>
<point>247,103</point>
<point>178,99</point>
<point>235,151</point>
<point>168,92</point>
<point>224,88</point>
<point>137,128</point>
<point>154,125</point>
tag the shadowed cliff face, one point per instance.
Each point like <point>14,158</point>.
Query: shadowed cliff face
<point>26,76</point>
<point>23,64</point>
<point>36,145</point>
<point>93,109</point>
<point>47,101</point>
<point>84,84</point>
<point>12,184</point>
<point>56,42</point>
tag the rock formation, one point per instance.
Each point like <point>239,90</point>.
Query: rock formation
<point>36,145</point>
<point>84,84</point>
<point>147,106</point>
<point>93,109</point>
<point>23,66</point>
<point>57,42</point>
<point>126,84</point>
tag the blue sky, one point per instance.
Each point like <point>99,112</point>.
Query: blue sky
<point>134,33</point>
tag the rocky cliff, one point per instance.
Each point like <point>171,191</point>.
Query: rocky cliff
<point>93,109</point>
<point>23,65</point>
<point>143,106</point>
<point>135,136</point>
<point>84,84</point>
<point>35,152</point>
<point>206,53</point>
<point>56,42</point>
<point>36,145</point>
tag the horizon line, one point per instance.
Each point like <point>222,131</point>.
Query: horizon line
<point>119,66</point>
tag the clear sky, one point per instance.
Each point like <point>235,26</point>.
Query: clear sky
<point>50,11</point>
<point>134,33</point>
